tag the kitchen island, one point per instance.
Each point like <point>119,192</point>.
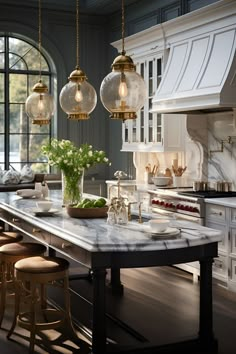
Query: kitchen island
<point>99,246</point>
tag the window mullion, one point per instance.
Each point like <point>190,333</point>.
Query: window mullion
<point>7,106</point>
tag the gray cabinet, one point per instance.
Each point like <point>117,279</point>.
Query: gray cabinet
<point>224,218</point>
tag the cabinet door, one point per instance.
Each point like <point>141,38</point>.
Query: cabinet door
<point>153,131</point>
<point>146,131</point>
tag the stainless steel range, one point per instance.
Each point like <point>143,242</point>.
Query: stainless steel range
<point>183,203</point>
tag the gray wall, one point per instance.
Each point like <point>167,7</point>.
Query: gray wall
<point>96,56</point>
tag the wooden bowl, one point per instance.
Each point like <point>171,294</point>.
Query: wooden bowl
<point>87,212</point>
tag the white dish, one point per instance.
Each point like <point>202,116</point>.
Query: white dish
<point>145,227</point>
<point>39,212</point>
<point>170,231</point>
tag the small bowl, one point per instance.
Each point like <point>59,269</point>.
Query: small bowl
<point>159,225</point>
<point>161,181</point>
<point>44,205</point>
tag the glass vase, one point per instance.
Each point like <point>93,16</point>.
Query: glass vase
<point>72,188</point>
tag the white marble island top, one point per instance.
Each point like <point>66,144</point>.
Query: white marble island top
<point>96,235</point>
<point>227,202</point>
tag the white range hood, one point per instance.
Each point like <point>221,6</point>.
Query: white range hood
<point>200,73</point>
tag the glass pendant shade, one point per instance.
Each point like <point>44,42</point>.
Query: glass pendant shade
<point>39,105</point>
<point>123,91</point>
<point>78,98</point>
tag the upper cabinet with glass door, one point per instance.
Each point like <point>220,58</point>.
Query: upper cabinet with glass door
<point>150,131</point>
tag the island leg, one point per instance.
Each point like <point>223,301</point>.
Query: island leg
<point>115,283</point>
<point>206,334</point>
<point>99,312</point>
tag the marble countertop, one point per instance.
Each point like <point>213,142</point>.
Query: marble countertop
<point>96,235</point>
<point>227,202</point>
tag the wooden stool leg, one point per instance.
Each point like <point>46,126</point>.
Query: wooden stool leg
<point>3,293</point>
<point>33,317</point>
<point>68,316</point>
<point>17,307</point>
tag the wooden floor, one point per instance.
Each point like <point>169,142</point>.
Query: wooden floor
<point>159,305</point>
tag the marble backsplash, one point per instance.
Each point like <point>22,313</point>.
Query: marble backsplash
<point>202,156</point>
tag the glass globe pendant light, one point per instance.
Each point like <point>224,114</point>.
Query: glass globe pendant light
<point>78,98</point>
<point>123,91</point>
<point>39,105</point>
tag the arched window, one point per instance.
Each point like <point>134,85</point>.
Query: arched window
<point>20,140</point>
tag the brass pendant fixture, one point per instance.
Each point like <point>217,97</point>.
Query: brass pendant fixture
<point>39,105</point>
<point>78,98</point>
<point>123,91</point>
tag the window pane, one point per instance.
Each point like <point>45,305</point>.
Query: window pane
<point>18,119</point>
<point>35,143</point>
<point>1,118</point>
<point>2,88</point>
<point>18,88</point>
<point>16,62</point>
<point>15,148</point>
<point>1,149</point>
<point>29,53</point>
<point>2,44</point>
<point>1,60</point>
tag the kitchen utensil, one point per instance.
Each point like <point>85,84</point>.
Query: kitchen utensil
<point>179,171</point>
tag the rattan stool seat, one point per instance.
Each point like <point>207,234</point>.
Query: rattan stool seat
<point>9,255</point>
<point>38,273</point>
<point>10,237</point>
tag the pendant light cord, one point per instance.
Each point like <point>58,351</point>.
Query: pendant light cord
<point>40,41</point>
<point>77,33</point>
<point>123,26</point>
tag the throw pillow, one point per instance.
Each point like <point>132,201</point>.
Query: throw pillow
<point>26,174</point>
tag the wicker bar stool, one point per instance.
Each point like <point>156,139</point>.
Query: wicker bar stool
<point>40,273</point>
<point>9,255</point>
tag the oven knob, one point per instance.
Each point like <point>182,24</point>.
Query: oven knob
<point>177,206</point>
<point>162,203</point>
<point>187,208</point>
<point>167,205</point>
<point>195,210</point>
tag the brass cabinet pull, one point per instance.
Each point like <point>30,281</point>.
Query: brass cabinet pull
<point>64,245</point>
<point>15,220</point>
<point>36,230</point>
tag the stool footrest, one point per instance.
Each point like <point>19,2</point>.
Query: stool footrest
<point>24,319</point>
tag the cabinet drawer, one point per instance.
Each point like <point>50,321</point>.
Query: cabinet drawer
<point>222,245</point>
<point>233,241</point>
<point>70,250</point>
<point>219,266</point>
<point>216,212</point>
<point>233,269</point>
<point>233,216</point>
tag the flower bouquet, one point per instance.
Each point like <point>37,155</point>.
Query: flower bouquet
<point>72,161</point>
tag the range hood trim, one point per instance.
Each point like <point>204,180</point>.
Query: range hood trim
<point>171,97</point>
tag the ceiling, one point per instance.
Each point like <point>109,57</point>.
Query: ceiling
<point>96,7</point>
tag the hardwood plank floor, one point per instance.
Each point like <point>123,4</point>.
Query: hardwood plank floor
<point>159,305</point>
